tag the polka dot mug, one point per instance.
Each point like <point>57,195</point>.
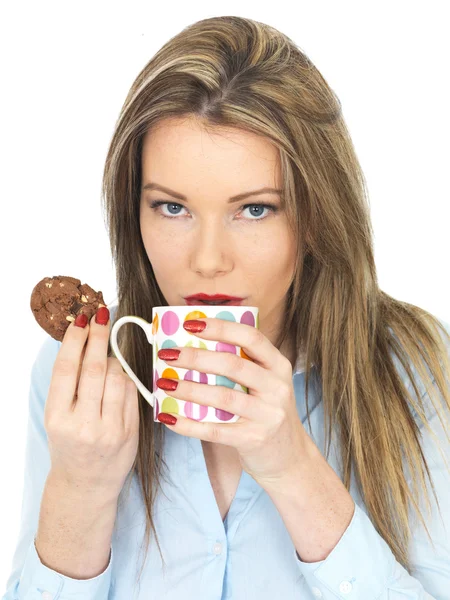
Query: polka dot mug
<point>166,331</point>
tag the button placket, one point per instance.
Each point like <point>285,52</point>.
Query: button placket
<point>345,587</point>
<point>217,548</point>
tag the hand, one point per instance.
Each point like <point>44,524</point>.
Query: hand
<point>269,435</point>
<point>93,440</point>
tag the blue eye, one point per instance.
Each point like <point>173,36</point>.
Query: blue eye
<point>173,205</point>
<point>258,207</point>
<point>156,204</point>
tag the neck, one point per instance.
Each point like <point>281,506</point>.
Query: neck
<point>289,350</point>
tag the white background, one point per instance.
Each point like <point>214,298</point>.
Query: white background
<point>66,69</point>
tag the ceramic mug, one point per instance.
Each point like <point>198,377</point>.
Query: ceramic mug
<point>166,331</point>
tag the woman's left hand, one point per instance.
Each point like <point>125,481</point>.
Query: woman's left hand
<point>269,435</point>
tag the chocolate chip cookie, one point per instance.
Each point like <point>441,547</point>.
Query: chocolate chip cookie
<point>56,302</point>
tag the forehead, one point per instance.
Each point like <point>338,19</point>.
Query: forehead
<point>187,146</point>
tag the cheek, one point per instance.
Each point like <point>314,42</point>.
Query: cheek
<point>276,258</point>
<point>159,254</point>
<point>275,248</point>
<point>164,255</point>
<point>261,263</point>
<point>158,244</point>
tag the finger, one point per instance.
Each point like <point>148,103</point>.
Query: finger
<point>225,434</point>
<point>83,352</point>
<point>245,372</point>
<point>256,346</point>
<point>93,371</point>
<point>114,394</point>
<point>63,384</point>
<point>131,407</point>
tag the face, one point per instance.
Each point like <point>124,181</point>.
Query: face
<point>204,243</point>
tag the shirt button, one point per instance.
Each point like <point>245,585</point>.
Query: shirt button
<point>47,596</point>
<point>217,548</point>
<point>345,587</point>
<point>317,593</point>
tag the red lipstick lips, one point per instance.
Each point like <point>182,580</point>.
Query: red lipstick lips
<point>216,299</point>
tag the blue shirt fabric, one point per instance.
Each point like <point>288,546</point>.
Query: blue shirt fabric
<point>248,556</point>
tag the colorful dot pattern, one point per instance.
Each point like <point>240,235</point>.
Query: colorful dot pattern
<point>170,325</point>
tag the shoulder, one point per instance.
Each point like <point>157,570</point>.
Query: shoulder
<point>41,375</point>
<point>45,356</point>
<point>112,312</point>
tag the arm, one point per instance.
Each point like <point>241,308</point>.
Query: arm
<point>340,553</point>
<point>29,575</point>
<point>75,530</point>
<point>314,504</point>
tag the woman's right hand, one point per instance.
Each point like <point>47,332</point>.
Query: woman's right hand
<point>92,439</point>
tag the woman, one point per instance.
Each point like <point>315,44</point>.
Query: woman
<point>230,106</point>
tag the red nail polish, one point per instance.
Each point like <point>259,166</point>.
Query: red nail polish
<point>167,384</point>
<point>168,419</point>
<point>169,354</point>
<point>81,320</point>
<point>194,326</point>
<point>102,315</point>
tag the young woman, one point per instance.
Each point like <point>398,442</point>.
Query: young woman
<point>231,171</point>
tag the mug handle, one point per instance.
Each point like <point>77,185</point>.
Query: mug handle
<point>147,327</point>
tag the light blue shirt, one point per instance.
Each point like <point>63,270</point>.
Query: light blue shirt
<point>249,556</point>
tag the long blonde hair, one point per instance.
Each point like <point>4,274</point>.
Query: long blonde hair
<point>238,73</point>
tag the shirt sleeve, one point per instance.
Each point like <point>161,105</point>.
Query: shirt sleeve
<point>362,566</point>
<point>29,578</point>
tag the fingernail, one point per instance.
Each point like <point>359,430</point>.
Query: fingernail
<point>169,354</point>
<point>167,384</point>
<point>102,315</point>
<point>194,326</point>
<point>167,419</point>
<point>81,320</point>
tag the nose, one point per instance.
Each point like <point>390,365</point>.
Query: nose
<point>211,251</point>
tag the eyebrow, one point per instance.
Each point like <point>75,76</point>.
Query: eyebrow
<point>265,190</point>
